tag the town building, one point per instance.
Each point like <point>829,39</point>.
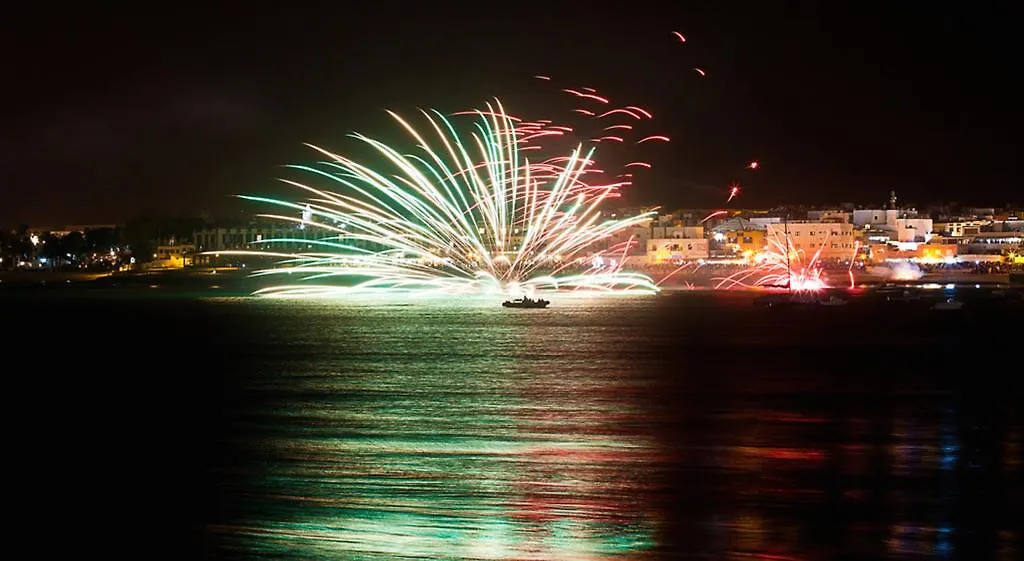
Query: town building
<point>676,232</point>
<point>959,228</point>
<point>1008,222</point>
<point>737,236</point>
<point>276,236</point>
<point>993,243</point>
<point>172,255</point>
<point>638,236</point>
<point>829,216</point>
<point>764,221</point>
<point>676,250</point>
<point>911,251</point>
<point>746,242</point>
<point>830,240</point>
<point>901,225</point>
<point>270,236</point>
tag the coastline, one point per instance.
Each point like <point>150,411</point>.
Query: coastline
<point>192,281</point>
<point>707,279</point>
<point>241,281</point>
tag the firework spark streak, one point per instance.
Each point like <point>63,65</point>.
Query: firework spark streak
<point>780,266</point>
<point>466,214</point>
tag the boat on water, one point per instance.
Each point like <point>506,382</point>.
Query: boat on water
<point>773,300</point>
<point>786,300</point>
<point>801,299</point>
<point>525,302</point>
<point>797,300</point>
<point>906,296</point>
<point>833,301</point>
<point>948,304</point>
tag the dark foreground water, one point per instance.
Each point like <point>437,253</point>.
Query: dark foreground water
<point>671,427</point>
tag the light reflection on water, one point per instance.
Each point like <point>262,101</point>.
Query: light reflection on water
<point>597,429</point>
<point>457,431</point>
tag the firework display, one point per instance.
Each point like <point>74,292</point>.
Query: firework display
<point>595,119</point>
<point>504,205</point>
<point>466,213</point>
<point>780,265</point>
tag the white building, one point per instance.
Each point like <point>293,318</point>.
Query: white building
<point>959,228</point>
<point>641,234</point>
<point>995,242</point>
<point>171,256</point>
<point>829,216</point>
<point>671,250</point>
<point>763,221</point>
<point>876,217</point>
<point>904,225</point>
<point>676,232</point>
<point>912,229</point>
<point>834,240</point>
<point>638,234</point>
<point>1011,224</point>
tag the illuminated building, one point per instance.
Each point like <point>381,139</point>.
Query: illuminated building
<point>661,228</point>
<point>1009,222</point>
<point>671,250</point>
<point>960,228</point>
<point>269,236</point>
<point>172,256</point>
<point>902,225</point>
<point>61,231</point>
<point>995,242</point>
<point>746,241</point>
<point>912,251</point>
<point>764,221</point>
<point>829,216</point>
<point>833,240</point>
<point>739,236</point>
<point>677,231</point>
<point>876,217</point>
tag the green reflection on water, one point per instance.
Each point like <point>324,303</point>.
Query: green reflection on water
<point>506,445</point>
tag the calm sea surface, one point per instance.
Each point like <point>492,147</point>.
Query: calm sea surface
<point>670,427</point>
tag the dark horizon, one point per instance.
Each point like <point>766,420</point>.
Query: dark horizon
<point>115,115</point>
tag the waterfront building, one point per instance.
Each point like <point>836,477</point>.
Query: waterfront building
<point>270,236</point>
<point>739,236</point>
<point>913,251</point>
<point>746,242</point>
<point>676,232</point>
<point>641,234</point>
<point>675,250</point>
<point>172,255</point>
<point>833,240</point>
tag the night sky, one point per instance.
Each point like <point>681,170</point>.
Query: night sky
<point>109,113</point>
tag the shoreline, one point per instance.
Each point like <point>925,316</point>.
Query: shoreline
<point>240,280</point>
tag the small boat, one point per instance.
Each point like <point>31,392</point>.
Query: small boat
<point>833,301</point>
<point>907,296</point>
<point>774,300</point>
<point>798,300</point>
<point>948,304</point>
<point>525,302</point>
